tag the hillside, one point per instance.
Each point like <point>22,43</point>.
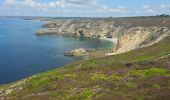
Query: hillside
<point>143,73</point>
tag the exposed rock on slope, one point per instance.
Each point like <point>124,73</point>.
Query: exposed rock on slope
<point>86,28</point>
<point>140,37</point>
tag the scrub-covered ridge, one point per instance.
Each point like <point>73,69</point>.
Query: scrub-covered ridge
<point>140,74</point>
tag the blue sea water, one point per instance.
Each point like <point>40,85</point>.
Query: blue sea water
<point>22,53</point>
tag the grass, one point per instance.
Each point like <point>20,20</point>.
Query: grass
<point>131,75</point>
<point>38,84</point>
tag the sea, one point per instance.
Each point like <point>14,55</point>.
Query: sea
<point>23,53</point>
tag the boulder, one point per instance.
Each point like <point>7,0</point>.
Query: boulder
<point>68,54</point>
<point>2,92</point>
<point>76,52</point>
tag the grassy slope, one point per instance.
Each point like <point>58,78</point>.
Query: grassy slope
<point>138,74</point>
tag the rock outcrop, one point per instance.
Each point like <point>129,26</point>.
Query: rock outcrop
<point>76,52</point>
<point>139,37</point>
<point>85,28</point>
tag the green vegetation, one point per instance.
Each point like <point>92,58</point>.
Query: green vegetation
<point>157,86</point>
<point>139,74</point>
<point>113,77</point>
<point>86,94</point>
<point>40,83</point>
<point>149,73</point>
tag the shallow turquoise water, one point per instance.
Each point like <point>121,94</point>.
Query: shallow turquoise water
<point>22,53</point>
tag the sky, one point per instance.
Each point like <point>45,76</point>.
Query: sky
<point>84,8</point>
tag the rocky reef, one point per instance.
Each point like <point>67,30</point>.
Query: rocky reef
<point>131,33</point>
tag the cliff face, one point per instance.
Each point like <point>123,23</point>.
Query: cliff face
<point>131,32</point>
<point>86,28</point>
<point>138,37</point>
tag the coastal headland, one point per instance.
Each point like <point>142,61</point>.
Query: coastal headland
<point>126,33</point>
<point>138,68</point>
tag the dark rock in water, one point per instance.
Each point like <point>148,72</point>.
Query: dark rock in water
<point>68,54</point>
<point>2,92</point>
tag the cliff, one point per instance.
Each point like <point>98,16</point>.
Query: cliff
<point>131,33</point>
<point>139,37</point>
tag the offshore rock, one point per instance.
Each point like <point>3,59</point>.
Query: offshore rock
<point>76,52</point>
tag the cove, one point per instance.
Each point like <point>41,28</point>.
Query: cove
<point>22,53</point>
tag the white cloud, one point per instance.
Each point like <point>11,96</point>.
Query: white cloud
<point>146,6</point>
<point>64,5</point>
<point>10,2</point>
<point>76,7</point>
<point>32,3</point>
<point>165,6</point>
<point>106,9</point>
<point>148,9</point>
<point>55,4</point>
<point>80,2</point>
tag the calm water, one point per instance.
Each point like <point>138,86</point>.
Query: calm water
<point>22,53</point>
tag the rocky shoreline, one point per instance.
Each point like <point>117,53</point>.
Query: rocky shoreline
<point>126,33</point>
<point>88,53</point>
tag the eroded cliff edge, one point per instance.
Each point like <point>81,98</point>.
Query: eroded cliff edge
<point>129,33</point>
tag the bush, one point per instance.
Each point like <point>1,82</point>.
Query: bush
<point>156,86</point>
<point>100,76</point>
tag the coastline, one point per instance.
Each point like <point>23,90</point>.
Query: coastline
<point>128,75</point>
<point>131,33</point>
<point>83,76</point>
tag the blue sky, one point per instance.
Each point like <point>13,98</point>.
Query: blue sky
<point>84,8</point>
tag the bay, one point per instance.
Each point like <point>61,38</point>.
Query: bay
<point>23,54</point>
